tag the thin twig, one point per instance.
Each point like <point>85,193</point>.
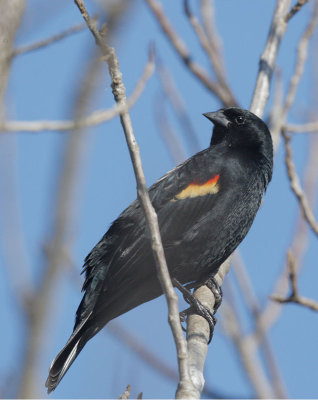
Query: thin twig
<point>295,297</point>
<point>302,52</point>
<point>310,127</point>
<point>210,49</point>
<point>249,356</point>
<point>268,58</point>
<point>96,118</point>
<point>181,49</point>
<point>147,355</point>
<point>301,300</point>
<point>118,88</point>
<point>260,334</point>
<point>280,112</point>
<point>296,187</point>
<point>300,241</point>
<point>46,42</point>
<point>209,23</point>
<point>64,214</point>
<point>295,9</point>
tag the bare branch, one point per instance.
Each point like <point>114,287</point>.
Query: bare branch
<point>46,42</point>
<point>246,349</point>
<point>208,18</point>
<point>211,49</point>
<point>296,187</point>
<point>300,241</point>
<point>198,331</point>
<point>301,300</point>
<point>302,52</point>
<point>12,232</point>
<point>295,9</point>
<point>295,297</point>
<point>260,335</point>
<point>96,118</point>
<point>109,55</point>
<point>10,16</point>
<point>139,348</point>
<point>268,58</point>
<point>183,52</point>
<point>305,128</point>
<point>280,111</point>
<point>54,249</point>
<point>258,105</point>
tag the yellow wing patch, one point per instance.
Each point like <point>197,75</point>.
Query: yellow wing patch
<point>199,189</point>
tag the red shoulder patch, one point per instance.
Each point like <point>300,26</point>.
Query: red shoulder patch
<point>195,189</point>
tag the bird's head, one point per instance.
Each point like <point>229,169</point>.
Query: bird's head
<point>239,128</point>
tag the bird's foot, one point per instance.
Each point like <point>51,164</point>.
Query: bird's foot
<point>196,307</point>
<point>217,292</point>
<point>215,288</point>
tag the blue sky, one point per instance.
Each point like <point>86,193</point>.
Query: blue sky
<point>43,85</point>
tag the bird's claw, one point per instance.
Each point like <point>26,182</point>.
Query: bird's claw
<point>196,307</point>
<point>217,292</point>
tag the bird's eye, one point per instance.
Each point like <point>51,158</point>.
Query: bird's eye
<point>239,120</point>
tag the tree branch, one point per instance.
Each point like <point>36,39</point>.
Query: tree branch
<point>198,330</point>
<point>183,52</point>
<point>296,187</point>
<point>300,240</point>
<point>246,349</point>
<point>96,118</point>
<point>260,335</point>
<point>295,297</point>
<point>211,49</point>
<point>55,247</point>
<point>46,42</point>
<point>302,53</point>
<point>268,58</point>
<point>310,127</point>
<point>295,9</point>
<point>118,88</point>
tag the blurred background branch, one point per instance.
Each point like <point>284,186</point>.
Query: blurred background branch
<point>253,328</point>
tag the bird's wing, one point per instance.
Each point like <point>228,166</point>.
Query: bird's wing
<point>187,194</point>
<point>180,198</point>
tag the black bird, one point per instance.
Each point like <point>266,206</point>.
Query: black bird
<point>205,208</point>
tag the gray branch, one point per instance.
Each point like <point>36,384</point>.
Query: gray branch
<point>109,54</point>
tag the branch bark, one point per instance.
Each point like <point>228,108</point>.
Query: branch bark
<point>268,58</point>
<point>183,52</point>
<point>46,42</point>
<point>118,88</point>
<point>296,187</point>
<point>260,97</point>
<point>55,248</point>
<point>295,297</point>
<point>96,118</point>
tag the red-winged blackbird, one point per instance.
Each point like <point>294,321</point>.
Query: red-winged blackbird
<point>205,208</point>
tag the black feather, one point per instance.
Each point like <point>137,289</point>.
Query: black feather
<point>205,208</point>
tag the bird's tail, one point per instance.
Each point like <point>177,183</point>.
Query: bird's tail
<point>67,355</point>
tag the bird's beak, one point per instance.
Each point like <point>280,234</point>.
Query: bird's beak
<point>218,118</point>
